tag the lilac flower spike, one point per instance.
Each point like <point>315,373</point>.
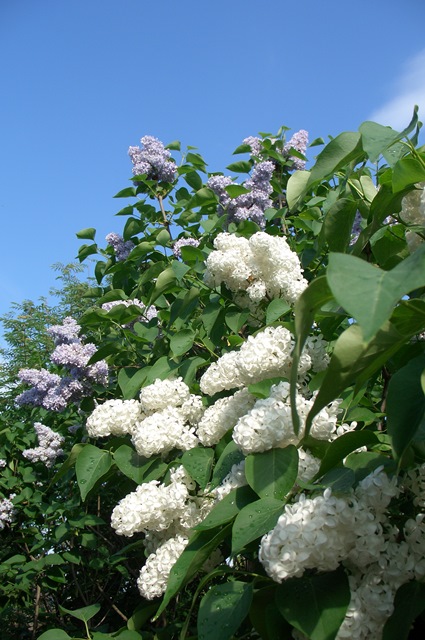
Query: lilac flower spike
<point>184,242</point>
<point>298,142</point>
<point>153,160</point>
<point>121,247</point>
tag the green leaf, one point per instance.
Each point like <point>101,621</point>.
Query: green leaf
<point>405,404</point>
<point>165,282</point>
<point>194,180</point>
<point>262,389</point>
<point>174,145</point>
<point>86,234</point>
<point>337,153</point>
<point>407,171</point>
<point>276,309</point>
<point>182,341</point>
<point>242,166</point>
<point>342,446</point>
<point>225,510</point>
<point>409,602</point>
<point>54,634</point>
<point>254,520</point>
<point>69,462</point>
<point>131,381</point>
<point>377,139</point>
<point>92,464</point>
<point>266,618</point>
<point>129,192</point>
<point>315,605</point>
<point>368,293</point>
<point>130,463</point>
<point>354,361</point>
<point>235,190</point>
<point>231,455</point>
<point>272,474</point>
<point>86,250</point>
<point>339,223</point>
<point>84,614</point>
<point>202,197</point>
<point>297,188</point>
<point>198,463</point>
<point>223,609</point>
<point>242,148</point>
<point>199,549</point>
<point>308,304</point>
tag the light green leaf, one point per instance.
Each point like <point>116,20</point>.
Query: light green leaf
<point>276,309</point>
<point>339,223</point>
<point>315,605</point>
<point>54,634</point>
<point>405,404</point>
<point>84,614</point>
<point>377,140</point>
<point>92,464</point>
<point>86,234</point>
<point>235,190</point>
<point>254,520</point>
<point>407,171</point>
<point>272,474</point>
<point>370,294</point>
<point>165,281</point>
<point>223,609</point>
<point>297,188</point>
<point>337,153</point>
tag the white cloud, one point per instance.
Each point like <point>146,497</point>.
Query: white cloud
<point>409,89</point>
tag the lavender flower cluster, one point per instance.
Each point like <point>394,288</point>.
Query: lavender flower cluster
<point>183,242</point>
<point>153,160</point>
<point>50,446</point>
<point>246,206</point>
<point>50,390</point>
<point>299,142</point>
<point>121,247</point>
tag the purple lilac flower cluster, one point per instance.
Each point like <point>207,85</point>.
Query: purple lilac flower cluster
<point>153,160</point>
<point>255,144</point>
<point>247,206</point>
<point>298,142</point>
<point>53,392</point>
<point>183,242</point>
<point>121,247</point>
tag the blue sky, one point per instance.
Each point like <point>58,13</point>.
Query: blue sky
<point>84,79</point>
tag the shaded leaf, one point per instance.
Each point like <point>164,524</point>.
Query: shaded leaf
<point>223,609</point>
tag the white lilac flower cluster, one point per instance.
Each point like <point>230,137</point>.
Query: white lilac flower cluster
<point>3,463</point>
<point>354,530</point>
<point>265,355</point>
<point>153,160</point>
<point>268,425</point>
<point>147,313</point>
<point>413,214</point>
<point>250,205</point>
<point>263,266</point>
<point>164,419</point>
<point>121,247</point>
<point>299,142</point>
<point>183,242</point>
<point>50,390</point>
<point>7,511</point>
<point>49,446</point>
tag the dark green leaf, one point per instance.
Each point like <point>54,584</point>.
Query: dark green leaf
<point>235,190</point>
<point>182,341</point>
<point>405,404</point>
<point>129,192</point>
<point>409,602</point>
<point>223,609</point>
<point>338,224</point>
<point>198,463</point>
<point>315,605</point>
<point>231,455</point>
<point>342,446</point>
<point>254,520</point>
<point>194,180</point>
<point>131,381</point>
<point>130,463</point>
<point>92,464</point>
<point>225,510</point>
<point>337,153</point>
<point>242,166</point>
<point>272,474</point>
